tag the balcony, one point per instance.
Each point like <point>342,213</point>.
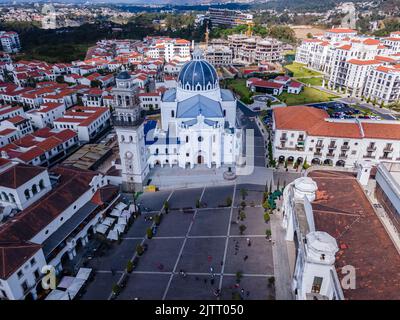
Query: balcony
<point>319,146</point>
<point>330,155</point>
<point>283,138</point>
<point>318,154</point>
<point>332,147</point>
<point>371,148</point>
<point>342,156</point>
<point>387,149</point>
<point>369,156</point>
<point>385,158</point>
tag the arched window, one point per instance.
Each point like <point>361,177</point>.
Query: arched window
<point>34,189</point>
<point>27,195</point>
<point>224,112</point>
<point>157,151</point>
<point>130,139</point>
<point>12,198</point>
<point>187,139</point>
<point>127,101</point>
<point>122,138</point>
<point>41,184</point>
<point>172,113</point>
<point>119,100</point>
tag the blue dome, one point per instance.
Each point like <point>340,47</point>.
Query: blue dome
<point>198,75</point>
<point>123,75</point>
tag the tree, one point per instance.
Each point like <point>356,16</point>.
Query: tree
<point>95,84</point>
<point>243,193</point>
<point>268,233</point>
<point>239,275</point>
<point>267,217</point>
<point>149,233</point>
<point>129,266</point>
<point>139,249</point>
<point>309,35</point>
<point>166,206</point>
<point>157,219</point>
<point>116,289</point>
<point>242,228</point>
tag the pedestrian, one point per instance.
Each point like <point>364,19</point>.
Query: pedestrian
<point>245,258</point>
<point>247,293</point>
<point>242,291</point>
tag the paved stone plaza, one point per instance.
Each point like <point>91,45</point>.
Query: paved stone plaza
<point>193,240</point>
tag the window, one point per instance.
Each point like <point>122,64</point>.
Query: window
<point>187,139</point>
<point>200,139</point>
<point>20,274</point>
<point>33,261</point>
<point>316,286</point>
<point>172,113</point>
<point>36,274</point>
<point>24,286</point>
<point>3,294</point>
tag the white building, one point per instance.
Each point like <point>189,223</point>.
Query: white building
<point>46,114</point>
<point>318,139</point>
<point>198,125</point>
<point>228,17</point>
<point>86,121</point>
<point>167,48</point>
<point>61,210</point>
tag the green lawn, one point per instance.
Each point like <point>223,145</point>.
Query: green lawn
<point>308,95</point>
<point>239,86</point>
<point>315,81</point>
<point>299,70</point>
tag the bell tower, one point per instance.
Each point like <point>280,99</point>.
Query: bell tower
<point>129,126</point>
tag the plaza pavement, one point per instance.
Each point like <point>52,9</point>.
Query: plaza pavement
<point>192,239</point>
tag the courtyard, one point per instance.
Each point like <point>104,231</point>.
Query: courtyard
<point>197,249</point>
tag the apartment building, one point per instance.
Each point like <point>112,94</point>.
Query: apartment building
<point>167,49</point>
<point>10,41</point>
<point>231,18</point>
<point>219,55</point>
<point>319,139</point>
<point>393,41</point>
<point>349,62</point>
<point>251,50</point>
<point>383,84</point>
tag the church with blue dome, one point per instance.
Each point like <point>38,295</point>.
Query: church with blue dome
<point>198,126</point>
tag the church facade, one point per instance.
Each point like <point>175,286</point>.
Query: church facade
<point>198,125</point>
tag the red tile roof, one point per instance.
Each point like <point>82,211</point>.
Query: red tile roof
<point>342,209</point>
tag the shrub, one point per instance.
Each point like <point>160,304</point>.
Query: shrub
<point>268,232</point>
<point>242,228</point>
<point>266,217</point>
<point>242,215</point>
<point>243,204</point>
<point>239,275</point>
<point>243,193</point>
<point>166,206</point>
<point>228,201</point>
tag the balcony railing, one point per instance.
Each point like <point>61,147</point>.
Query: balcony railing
<point>283,138</point>
<point>332,146</point>
<point>369,156</point>
<point>385,158</point>
<point>388,149</point>
<point>119,122</point>
<point>318,154</point>
<point>330,155</point>
<point>371,148</point>
<point>345,147</point>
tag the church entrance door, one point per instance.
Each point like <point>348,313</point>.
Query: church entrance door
<point>200,159</point>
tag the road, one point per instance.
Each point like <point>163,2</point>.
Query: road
<point>382,112</point>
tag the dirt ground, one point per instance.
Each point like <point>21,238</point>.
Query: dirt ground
<point>302,31</point>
